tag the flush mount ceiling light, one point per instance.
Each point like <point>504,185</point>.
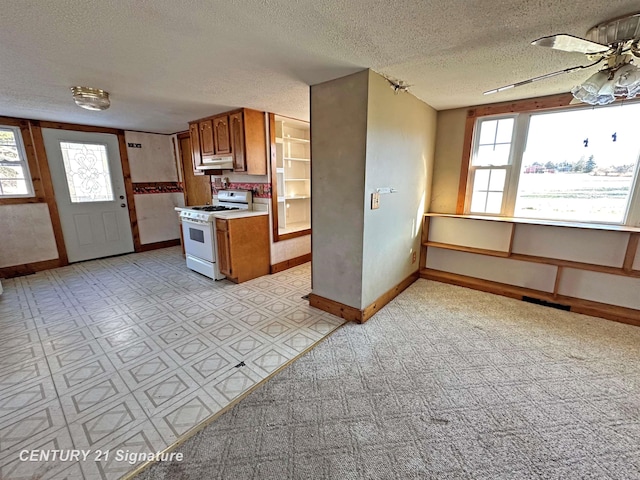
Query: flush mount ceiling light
<point>91,98</point>
<point>615,41</point>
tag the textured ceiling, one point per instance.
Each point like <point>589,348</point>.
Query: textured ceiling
<point>166,62</point>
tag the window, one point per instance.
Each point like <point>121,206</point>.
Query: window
<point>15,180</point>
<point>573,165</point>
<point>86,168</point>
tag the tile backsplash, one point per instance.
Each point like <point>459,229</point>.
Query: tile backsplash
<point>260,190</point>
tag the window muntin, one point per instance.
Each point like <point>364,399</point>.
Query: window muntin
<point>15,179</point>
<point>494,142</point>
<point>572,165</point>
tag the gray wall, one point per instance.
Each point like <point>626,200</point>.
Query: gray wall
<point>364,137</point>
<point>338,143</point>
<point>400,148</point>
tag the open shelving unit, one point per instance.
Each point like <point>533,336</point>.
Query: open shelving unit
<point>593,269</point>
<point>293,171</point>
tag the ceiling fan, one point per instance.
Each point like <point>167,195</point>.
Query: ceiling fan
<point>616,42</point>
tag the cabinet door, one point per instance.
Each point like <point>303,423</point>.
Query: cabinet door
<point>224,254</point>
<point>206,139</point>
<point>237,142</point>
<point>194,138</point>
<point>221,135</point>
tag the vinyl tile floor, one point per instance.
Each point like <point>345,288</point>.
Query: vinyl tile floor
<point>129,354</point>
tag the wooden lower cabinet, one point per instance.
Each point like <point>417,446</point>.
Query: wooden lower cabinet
<point>243,247</point>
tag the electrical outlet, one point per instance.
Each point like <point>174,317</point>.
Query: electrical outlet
<point>413,257</point>
<point>375,201</point>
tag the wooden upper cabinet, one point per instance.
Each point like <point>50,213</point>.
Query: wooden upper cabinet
<point>206,138</point>
<point>255,141</point>
<point>237,142</point>
<point>194,137</point>
<point>239,133</point>
<point>221,135</point>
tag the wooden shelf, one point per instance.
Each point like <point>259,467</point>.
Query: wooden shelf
<point>462,248</point>
<point>294,159</point>
<point>535,259</point>
<point>292,140</point>
<point>549,223</point>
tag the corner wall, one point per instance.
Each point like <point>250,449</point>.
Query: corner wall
<point>448,160</point>
<point>338,150</point>
<point>401,133</point>
<point>364,137</point>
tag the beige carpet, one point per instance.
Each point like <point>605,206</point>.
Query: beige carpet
<point>444,383</point>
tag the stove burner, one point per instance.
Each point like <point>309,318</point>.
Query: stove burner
<point>214,208</point>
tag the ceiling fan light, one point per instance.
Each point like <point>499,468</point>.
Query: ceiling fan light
<point>91,98</point>
<point>595,82</point>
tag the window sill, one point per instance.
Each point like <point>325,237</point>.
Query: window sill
<point>550,223</point>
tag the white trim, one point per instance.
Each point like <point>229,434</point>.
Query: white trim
<point>514,167</point>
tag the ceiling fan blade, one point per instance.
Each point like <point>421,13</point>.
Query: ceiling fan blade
<point>569,43</point>
<point>541,77</point>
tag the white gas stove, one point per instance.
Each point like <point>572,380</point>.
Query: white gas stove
<point>198,228</point>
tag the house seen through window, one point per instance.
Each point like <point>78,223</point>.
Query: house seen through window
<point>574,165</point>
<point>15,180</point>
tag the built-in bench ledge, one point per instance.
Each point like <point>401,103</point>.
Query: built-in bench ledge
<point>550,223</point>
<point>564,262</point>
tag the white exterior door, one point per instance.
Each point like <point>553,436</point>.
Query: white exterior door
<point>87,177</point>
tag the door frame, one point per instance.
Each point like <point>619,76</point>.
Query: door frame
<point>40,174</point>
<point>126,174</point>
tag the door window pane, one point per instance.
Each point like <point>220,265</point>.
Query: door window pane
<point>86,168</point>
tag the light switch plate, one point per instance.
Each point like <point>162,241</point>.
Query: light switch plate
<point>375,201</point>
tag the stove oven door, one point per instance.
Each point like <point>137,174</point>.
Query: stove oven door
<point>199,240</point>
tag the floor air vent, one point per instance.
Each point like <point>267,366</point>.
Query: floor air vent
<point>537,301</point>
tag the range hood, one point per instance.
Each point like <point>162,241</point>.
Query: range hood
<point>216,163</point>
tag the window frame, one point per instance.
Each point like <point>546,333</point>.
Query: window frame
<point>519,140</point>
<point>24,163</point>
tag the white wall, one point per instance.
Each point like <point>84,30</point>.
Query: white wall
<point>26,234</point>
<point>157,219</point>
<point>400,147</point>
<point>154,162</point>
<point>338,150</point>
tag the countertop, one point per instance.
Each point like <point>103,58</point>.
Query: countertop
<point>229,214</point>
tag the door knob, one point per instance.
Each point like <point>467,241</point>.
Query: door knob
<point>122,205</point>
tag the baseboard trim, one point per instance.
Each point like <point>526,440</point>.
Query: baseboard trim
<point>292,262</point>
<point>389,295</point>
<point>350,314</point>
<point>145,247</point>
<point>616,313</point>
<point>353,314</point>
<point>30,268</point>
